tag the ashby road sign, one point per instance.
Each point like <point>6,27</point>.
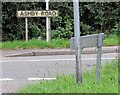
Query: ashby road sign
<point>32,13</point>
<point>43,13</point>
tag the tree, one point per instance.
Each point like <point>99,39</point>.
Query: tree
<point>95,17</point>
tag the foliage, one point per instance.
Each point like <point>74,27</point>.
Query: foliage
<point>116,29</point>
<point>63,32</point>
<point>95,17</point>
<point>35,31</point>
<point>67,84</point>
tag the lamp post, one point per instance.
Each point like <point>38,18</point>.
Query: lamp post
<point>48,34</point>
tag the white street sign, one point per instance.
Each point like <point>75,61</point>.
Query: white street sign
<point>43,13</point>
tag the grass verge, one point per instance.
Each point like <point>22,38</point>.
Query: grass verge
<point>67,84</point>
<point>34,43</point>
<point>55,43</point>
<point>111,40</point>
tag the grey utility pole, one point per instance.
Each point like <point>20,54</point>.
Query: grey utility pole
<point>77,41</point>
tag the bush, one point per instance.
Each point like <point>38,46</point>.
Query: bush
<point>116,29</point>
<point>65,32</point>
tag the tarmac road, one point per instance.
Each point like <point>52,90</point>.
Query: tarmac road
<point>19,71</point>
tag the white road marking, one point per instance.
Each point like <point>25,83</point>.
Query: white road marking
<point>6,79</point>
<point>48,60</point>
<point>41,78</point>
<point>9,79</point>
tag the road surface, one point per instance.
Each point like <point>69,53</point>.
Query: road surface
<point>19,71</point>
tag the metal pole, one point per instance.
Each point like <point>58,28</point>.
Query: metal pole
<point>99,50</point>
<point>48,34</point>
<point>1,42</point>
<point>26,29</point>
<point>99,53</point>
<point>77,41</point>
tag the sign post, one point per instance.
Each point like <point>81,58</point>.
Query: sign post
<point>95,40</point>
<point>77,41</point>
<point>48,34</point>
<point>26,29</point>
<point>99,52</point>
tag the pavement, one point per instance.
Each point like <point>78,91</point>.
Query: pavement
<point>44,52</point>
